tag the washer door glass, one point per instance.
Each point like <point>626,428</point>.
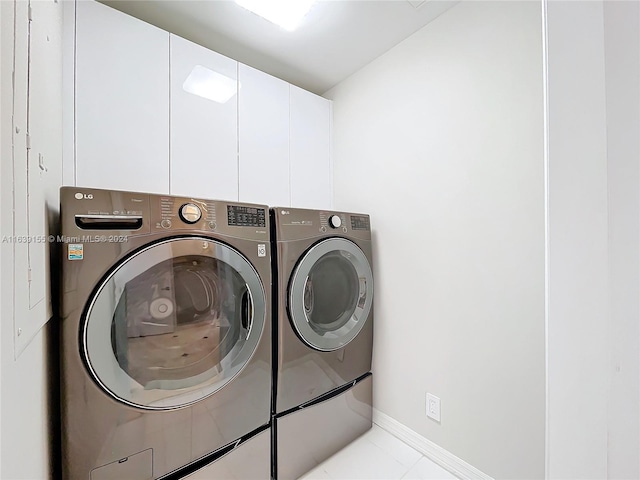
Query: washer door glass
<point>330,294</point>
<point>174,323</point>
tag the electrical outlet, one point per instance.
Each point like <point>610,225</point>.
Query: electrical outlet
<point>433,407</point>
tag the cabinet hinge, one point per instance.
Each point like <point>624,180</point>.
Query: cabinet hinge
<point>28,141</point>
<point>30,13</point>
<point>29,275</point>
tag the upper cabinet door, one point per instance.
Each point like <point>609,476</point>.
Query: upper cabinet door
<point>204,122</point>
<point>122,101</point>
<point>263,138</point>
<point>310,150</point>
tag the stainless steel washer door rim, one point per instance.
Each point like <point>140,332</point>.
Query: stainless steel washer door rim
<point>331,294</point>
<point>155,341</point>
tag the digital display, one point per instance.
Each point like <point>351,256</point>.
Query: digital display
<point>246,216</point>
<point>360,222</point>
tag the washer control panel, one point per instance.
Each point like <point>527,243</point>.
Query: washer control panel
<point>183,214</point>
<point>243,216</point>
<point>176,213</point>
<point>137,214</point>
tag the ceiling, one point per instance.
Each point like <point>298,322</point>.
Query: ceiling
<point>335,39</point>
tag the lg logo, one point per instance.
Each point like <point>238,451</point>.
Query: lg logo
<point>285,212</point>
<point>84,196</point>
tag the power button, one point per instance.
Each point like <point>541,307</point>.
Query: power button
<point>166,223</point>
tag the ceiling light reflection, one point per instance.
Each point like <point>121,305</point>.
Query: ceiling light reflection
<point>210,85</point>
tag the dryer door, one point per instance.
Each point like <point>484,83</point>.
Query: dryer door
<point>330,294</point>
<point>173,323</point>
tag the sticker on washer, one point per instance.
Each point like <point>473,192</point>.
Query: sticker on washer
<point>76,251</point>
<point>262,250</point>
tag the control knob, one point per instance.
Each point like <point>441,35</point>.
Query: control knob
<point>335,221</point>
<point>190,213</point>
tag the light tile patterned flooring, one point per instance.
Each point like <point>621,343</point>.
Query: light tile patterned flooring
<point>378,455</point>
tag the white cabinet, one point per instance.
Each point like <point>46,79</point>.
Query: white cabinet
<point>204,122</point>
<point>121,101</point>
<point>284,143</point>
<point>154,112</point>
<point>263,138</point>
<point>310,150</point>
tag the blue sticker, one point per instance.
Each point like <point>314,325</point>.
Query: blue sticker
<point>76,251</point>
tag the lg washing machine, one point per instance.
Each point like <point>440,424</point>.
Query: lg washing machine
<point>324,335</point>
<point>166,335</point>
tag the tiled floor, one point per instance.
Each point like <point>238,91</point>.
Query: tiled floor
<point>378,455</point>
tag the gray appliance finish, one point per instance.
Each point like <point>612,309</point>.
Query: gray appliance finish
<point>324,323</point>
<point>312,433</point>
<point>250,460</point>
<point>165,332</point>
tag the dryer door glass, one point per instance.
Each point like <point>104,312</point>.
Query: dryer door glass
<point>174,323</point>
<point>330,294</point>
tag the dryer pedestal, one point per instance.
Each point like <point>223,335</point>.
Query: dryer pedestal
<point>308,435</point>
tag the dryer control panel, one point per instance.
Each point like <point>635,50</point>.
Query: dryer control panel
<point>360,222</point>
<point>298,223</point>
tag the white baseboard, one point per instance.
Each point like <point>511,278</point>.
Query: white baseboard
<point>436,453</point>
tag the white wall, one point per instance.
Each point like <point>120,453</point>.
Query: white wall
<point>594,215</point>
<point>441,140</point>
<point>5,132</point>
<point>6,105</point>
<point>29,377</point>
<point>622,74</point>
<point>578,302</point>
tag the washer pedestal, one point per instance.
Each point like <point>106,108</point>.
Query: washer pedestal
<point>250,460</point>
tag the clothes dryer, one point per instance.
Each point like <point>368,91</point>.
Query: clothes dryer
<point>166,333</point>
<point>324,330</point>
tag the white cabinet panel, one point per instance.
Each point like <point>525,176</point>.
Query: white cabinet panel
<point>310,150</point>
<point>263,138</point>
<point>155,112</point>
<point>204,122</point>
<point>122,101</point>
<point>68,92</point>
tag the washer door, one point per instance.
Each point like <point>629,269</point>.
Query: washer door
<point>330,294</point>
<point>173,323</point>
